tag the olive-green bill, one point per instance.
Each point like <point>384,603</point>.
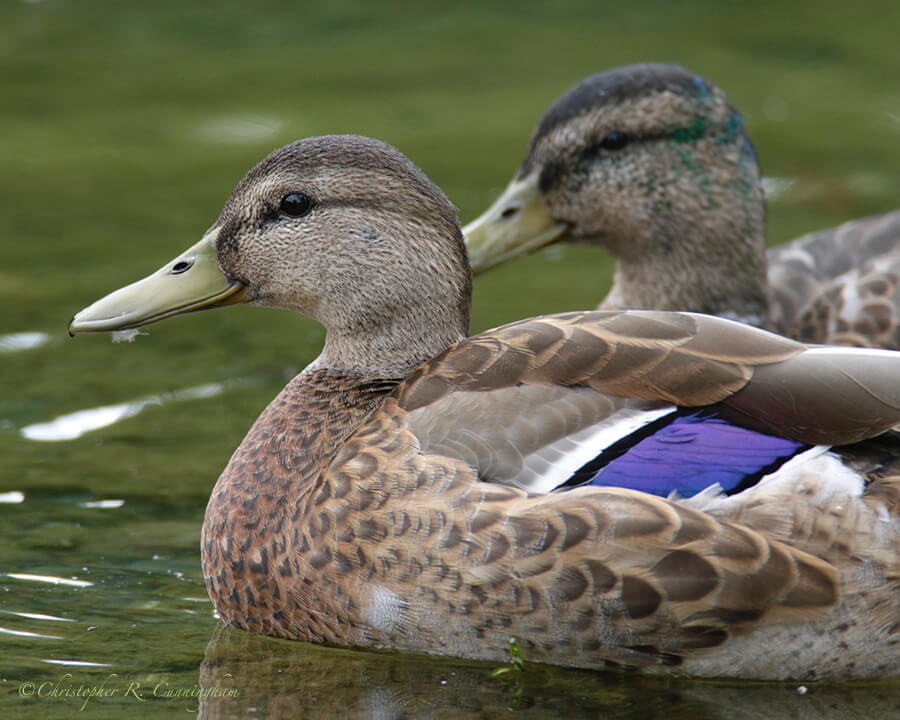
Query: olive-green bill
<point>516,224</point>
<point>192,281</point>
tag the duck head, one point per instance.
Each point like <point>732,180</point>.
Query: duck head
<point>652,163</point>
<point>343,229</point>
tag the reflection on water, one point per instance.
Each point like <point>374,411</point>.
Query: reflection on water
<point>37,616</point>
<point>103,504</point>
<point>74,425</point>
<point>234,129</point>
<point>274,678</point>
<point>75,663</point>
<point>25,633</point>
<point>775,187</point>
<point>22,341</point>
<point>74,582</point>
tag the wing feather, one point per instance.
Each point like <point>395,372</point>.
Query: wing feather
<point>596,575</point>
<point>626,576</point>
<point>513,392</point>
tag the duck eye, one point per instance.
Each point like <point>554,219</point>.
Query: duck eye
<point>614,141</point>
<point>296,204</point>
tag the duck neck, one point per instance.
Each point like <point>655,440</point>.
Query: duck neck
<point>392,346</point>
<point>711,260</point>
<point>734,287</point>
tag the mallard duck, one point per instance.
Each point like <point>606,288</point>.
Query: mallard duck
<point>652,164</point>
<point>610,488</point>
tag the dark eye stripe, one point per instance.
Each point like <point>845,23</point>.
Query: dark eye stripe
<point>555,172</point>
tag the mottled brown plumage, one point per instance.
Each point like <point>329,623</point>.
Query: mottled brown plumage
<point>652,164</point>
<point>841,285</point>
<point>378,500</point>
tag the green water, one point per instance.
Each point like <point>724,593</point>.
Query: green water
<point>124,126</point>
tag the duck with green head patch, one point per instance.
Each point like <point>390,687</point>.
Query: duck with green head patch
<point>612,489</point>
<point>652,164</point>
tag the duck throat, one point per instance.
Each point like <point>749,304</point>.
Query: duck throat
<point>672,283</point>
<point>394,343</point>
<point>263,502</point>
<point>713,264</point>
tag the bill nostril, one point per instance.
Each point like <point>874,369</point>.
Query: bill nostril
<point>509,212</point>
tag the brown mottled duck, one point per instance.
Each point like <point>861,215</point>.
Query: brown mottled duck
<point>610,488</point>
<point>652,164</point>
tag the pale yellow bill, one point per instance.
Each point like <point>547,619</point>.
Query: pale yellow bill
<point>192,281</point>
<point>516,224</point>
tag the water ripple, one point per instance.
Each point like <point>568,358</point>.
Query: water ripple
<point>75,663</point>
<point>25,633</point>
<point>103,504</point>
<point>775,187</point>
<point>74,425</point>
<point>37,616</point>
<point>52,579</point>
<point>22,341</point>
<point>236,129</point>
